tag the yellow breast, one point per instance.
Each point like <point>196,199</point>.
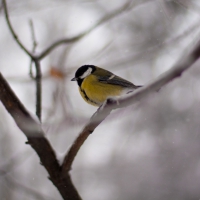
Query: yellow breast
<point>95,92</point>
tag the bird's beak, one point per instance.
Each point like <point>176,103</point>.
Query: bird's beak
<point>74,79</point>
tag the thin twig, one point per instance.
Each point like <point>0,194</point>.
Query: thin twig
<point>38,81</point>
<point>12,30</point>
<point>38,77</point>
<point>33,36</point>
<point>125,7</point>
<point>35,60</point>
<point>183,64</point>
<point>33,48</point>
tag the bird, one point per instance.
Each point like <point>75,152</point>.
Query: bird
<point>97,84</point>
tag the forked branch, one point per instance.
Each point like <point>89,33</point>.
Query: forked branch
<point>35,135</point>
<point>185,62</point>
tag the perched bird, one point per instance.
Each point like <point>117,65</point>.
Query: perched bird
<point>97,84</point>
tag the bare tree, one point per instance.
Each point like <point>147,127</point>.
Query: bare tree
<point>152,31</point>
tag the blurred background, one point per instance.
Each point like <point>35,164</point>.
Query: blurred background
<point>146,151</point>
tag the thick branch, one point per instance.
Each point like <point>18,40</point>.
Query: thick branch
<point>183,64</point>
<point>35,135</point>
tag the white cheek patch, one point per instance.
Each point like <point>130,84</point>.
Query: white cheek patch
<point>87,73</point>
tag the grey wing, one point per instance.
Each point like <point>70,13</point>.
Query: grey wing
<point>116,80</point>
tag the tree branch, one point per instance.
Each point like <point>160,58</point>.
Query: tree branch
<point>36,61</point>
<point>183,64</point>
<point>125,7</point>
<point>12,30</point>
<point>35,135</point>
<point>38,81</point>
<point>33,48</point>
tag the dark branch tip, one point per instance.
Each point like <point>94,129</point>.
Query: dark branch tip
<point>90,131</point>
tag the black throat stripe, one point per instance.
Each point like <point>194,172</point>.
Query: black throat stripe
<point>86,97</point>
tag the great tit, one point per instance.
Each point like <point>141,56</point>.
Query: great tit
<point>97,84</point>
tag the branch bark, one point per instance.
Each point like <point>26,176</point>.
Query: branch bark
<point>35,135</point>
<point>185,62</point>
